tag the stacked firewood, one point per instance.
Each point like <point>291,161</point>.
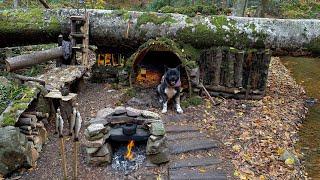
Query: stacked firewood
<point>31,124</point>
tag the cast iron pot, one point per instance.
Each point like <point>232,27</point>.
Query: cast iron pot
<point>129,129</point>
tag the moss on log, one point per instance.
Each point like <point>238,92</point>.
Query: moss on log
<point>110,28</point>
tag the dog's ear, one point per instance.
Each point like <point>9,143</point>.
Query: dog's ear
<point>166,68</point>
<point>178,67</point>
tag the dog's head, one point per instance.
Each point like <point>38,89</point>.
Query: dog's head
<point>172,76</point>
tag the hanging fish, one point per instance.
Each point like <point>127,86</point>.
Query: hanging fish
<point>77,126</point>
<point>59,123</point>
<point>72,120</point>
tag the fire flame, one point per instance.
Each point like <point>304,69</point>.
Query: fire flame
<point>129,154</point>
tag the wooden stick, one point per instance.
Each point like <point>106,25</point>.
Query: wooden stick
<point>209,96</point>
<point>63,158</point>
<point>75,161</point>
<point>26,78</point>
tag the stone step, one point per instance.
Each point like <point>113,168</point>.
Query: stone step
<point>196,175</point>
<point>192,145</point>
<point>194,162</point>
<point>185,135</point>
<point>179,129</point>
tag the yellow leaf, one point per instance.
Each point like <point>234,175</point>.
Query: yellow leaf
<point>202,170</point>
<point>262,177</point>
<point>236,173</point>
<point>236,147</point>
<point>280,151</point>
<point>289,161</point>
<point>159,177</point>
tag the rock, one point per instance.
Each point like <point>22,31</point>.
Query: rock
<point>95,144</point>
<point>161,157</point>
<point>149,114</point>
<point>103,113</point>
<point>136,101</point>
<point>289,158</point>
<point>93,138</point>
<point>157,128</point>
<point>13,151</point>
<point>4,81</point>
<point>91,150</point>
<point>32,154</point>
<point>104,150</point>
<point>156,146</point>
<point>94,129</point>
<point>43,134</point>
<point>100,160</point>
<point>37,143</point>
<point>133,112</point>
<point>119,110</point>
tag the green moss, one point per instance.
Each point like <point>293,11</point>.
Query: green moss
<point>8,119</point>
<point>154,18</point>
<point>30,19</point>
<point>192,101</point>
<point>20,106</point>
<point>122,12</point>
<point>191,10</point>
<point>24,100</point>
<point>314,46</point>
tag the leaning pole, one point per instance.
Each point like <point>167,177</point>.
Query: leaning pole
<point>119,28</point>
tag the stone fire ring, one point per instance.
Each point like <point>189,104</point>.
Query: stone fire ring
<point>108,125</point>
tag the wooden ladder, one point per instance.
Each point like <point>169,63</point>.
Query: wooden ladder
<point>82,33</point>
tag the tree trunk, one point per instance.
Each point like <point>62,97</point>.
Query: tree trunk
<point>22,61</point>
<point>239,8</point>
<point>108,28</point>
<point>45,4</point>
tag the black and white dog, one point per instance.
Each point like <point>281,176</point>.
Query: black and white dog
<point>170,89</point>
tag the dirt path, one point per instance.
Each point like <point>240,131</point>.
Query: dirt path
<point>247,135</point>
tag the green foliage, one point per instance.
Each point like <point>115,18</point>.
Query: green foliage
<point>8,94</point>
<point>300,9</point>
<point>154,18</point>
<point>8,119</point>
<point>191,10</point>
<point>33,71</point>
<point>192,101</point>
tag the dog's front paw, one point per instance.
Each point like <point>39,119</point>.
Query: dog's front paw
<point>164,111</point>
<point>179,110</point>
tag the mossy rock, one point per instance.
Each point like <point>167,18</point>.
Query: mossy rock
<point>314,46</point>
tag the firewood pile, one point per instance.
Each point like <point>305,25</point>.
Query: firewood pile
<point>31,124</point>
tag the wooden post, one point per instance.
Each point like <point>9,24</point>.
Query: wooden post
<point>238,69</point>
<point>63,158</point>
<point>75,159</point>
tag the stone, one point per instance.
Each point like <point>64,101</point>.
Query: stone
<point>156,146</point>
<point>133,112</point>
<point>13,151</point>
<point>192,145</point>
<point>32,154</point>
<point>194,162</point>
<point>119,110</point>
<point>136,101</point>
<point>91,150</point>
<point>179,129</point>
<point>157,128</point>
<point>103,151</point>
<point>195,174</point>
<point>185,135</point>
<point>93,138</point>
<point>287,156</point>
<point>100,160</point>
<point>160,158</point>
<point>150,115</point>
<point>43,134</point>
<point>99,121</point>
<point>4,81</point>
<point>95,144</point>
<point>103,113</point>
<point>37,143</point>
<point>94,129</point>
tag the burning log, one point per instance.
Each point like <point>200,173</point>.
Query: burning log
<point>38,57</point>
<point>109,28</point>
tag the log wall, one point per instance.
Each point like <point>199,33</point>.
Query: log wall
<point>230,72</point>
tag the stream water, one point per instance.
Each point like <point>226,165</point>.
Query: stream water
<point>306,72</point>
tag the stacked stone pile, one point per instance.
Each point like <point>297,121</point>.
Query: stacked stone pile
<point>108,123</point>
<point>99,152</point>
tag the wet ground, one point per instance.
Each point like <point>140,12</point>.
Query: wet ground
<point>306,71</point>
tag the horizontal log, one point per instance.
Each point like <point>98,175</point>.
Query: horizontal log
<point>109,28</point>
<point>232,90</point>
<point>26,78</point>
<point>26,128</point>
<point>37,57</point>
<point>39,115</point>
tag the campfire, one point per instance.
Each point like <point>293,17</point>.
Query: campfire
<point>129,154</point>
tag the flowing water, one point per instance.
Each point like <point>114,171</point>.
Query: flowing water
<point>306,72</point>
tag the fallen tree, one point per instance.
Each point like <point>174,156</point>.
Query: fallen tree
<point>118,28</point>
<point>38,57</point>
